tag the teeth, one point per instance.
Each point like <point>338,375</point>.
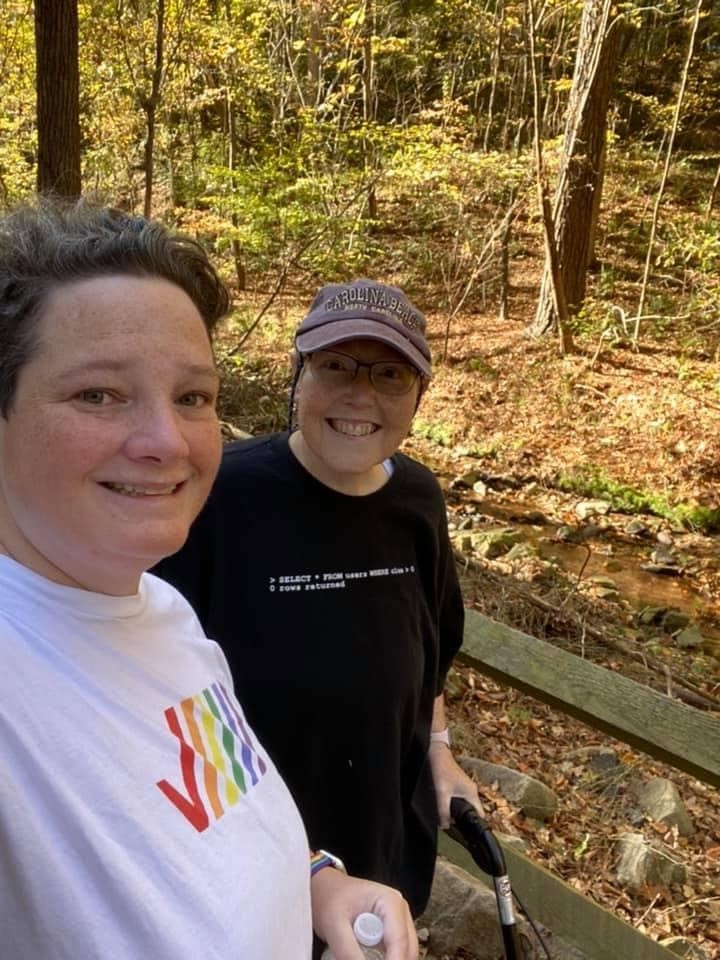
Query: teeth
<point>133,491</point>
<point>353,428</point>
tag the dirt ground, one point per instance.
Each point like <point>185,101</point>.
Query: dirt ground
<point>511,408</point>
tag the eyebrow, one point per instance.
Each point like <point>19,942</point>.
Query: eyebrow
<point>118,366</point>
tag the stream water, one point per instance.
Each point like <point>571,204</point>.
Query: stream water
<point>613,555</point>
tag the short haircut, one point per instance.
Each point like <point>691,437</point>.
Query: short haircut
<point>52,242</point>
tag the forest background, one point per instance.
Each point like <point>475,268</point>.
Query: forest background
<point>542,179</point>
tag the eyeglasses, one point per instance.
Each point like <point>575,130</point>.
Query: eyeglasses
<point>391,377</point>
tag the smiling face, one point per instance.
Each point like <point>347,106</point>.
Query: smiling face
<point>112,441</point>
<point>345,433</point>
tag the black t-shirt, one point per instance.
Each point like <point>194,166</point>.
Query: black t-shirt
<point>339,616</point>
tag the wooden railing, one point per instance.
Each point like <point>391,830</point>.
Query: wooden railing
<point>665,729</point>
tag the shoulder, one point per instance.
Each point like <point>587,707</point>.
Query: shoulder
<point>414,492</point>
<point>173,615</point>
<point>168,607</point>
<point>163,598</point>
<point>246,461</point>
<point>416,477</point>
<point>240,454</point>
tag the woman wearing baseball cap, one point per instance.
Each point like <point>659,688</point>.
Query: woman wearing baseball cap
<point>323,567</point>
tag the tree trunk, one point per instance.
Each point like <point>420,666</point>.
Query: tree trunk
<point>150,105</point>
<point>238,259</point>
<point>553,279</point>
<point>580,180</point>
<point>713,193</point>
<point>495,64</point>
<point>58,86</point>
<point>666,169</point>
<point>369,104</point>
<point>505,237</point>
<point>314,53</point>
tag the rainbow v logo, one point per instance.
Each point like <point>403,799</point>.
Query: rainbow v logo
<point>218,761</point>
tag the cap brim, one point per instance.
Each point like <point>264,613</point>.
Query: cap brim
<point>338,331</point>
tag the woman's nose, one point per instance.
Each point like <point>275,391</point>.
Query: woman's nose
<point>158,434</point>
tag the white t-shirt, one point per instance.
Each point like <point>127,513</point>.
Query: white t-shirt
<point>139,817</point>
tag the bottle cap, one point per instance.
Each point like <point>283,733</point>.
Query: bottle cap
<point>368,929</point>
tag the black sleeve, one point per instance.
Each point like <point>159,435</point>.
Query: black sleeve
<point>451,612</point>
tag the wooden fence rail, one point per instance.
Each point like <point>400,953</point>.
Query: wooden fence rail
<point>665,729</point>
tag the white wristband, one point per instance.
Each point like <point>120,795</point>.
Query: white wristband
<point>440,736</point>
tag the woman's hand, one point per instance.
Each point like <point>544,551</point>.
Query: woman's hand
<point>450,781</point>
<point>337,899</point>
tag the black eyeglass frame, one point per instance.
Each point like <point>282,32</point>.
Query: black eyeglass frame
<point>380,386</point>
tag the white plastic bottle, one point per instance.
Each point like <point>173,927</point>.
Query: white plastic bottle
<point>368,930</point>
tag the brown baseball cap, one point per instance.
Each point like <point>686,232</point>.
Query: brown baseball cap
<point>365,310</point>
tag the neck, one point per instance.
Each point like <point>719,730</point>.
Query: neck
<point>28,556</point>
<point>351,484</point>
<point>38,563</point>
